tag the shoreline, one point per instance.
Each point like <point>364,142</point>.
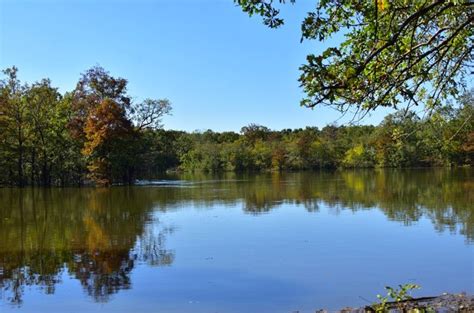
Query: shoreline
<point>444,303</point>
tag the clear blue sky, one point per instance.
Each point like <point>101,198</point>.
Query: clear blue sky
<point>219,68</point>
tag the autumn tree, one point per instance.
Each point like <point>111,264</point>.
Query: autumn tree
<point>461,135</point>
<point>96,92</point>
<point>392,53</point>
<point>109,144</point>
<point>95,86</point>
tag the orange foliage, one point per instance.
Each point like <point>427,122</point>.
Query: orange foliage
<point>105,128</point>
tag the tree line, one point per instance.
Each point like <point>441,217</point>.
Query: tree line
<point>403,139</point>
<point>96,133</point>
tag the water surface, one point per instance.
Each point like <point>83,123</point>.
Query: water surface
<point>236,243</point>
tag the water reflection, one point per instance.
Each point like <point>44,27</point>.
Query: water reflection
<point>98,236</point>
<point>90,233</point>
<point>445,196</point>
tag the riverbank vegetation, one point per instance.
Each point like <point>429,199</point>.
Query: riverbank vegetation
<point>97,133</point>
<point>93,132</point>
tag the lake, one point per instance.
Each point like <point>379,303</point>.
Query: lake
<point>276,242</point>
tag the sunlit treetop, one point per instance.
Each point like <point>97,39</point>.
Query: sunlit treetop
<point>394,53</point>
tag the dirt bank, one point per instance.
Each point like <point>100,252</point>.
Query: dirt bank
<point>445,303</point>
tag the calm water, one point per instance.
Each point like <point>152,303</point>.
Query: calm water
<point>265,243</point>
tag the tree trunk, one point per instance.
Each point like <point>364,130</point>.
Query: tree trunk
<point>20,157</point>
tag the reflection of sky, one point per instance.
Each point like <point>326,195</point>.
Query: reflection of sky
<point>331,258</point>
<point>269,243</point>
<point>282,261</point>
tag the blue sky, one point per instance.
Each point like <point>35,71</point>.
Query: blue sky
<point>220,69</point>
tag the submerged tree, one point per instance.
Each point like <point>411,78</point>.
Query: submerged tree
<point>109,143</point>
<point>393,52</point>
<point>109,127</point>
<point>45,115</point>
<point>14,126</point>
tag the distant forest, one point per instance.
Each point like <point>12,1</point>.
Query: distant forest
<point>96,134</point>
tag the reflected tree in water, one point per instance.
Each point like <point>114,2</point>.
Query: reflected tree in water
<point>90,235</point>
<point>98,236</point>
<point>444,196</point>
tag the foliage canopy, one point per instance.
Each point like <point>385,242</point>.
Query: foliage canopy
<point>392,53</point>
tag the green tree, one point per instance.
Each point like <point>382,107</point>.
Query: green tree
<point>237,156</point>
<point>261,153</point>
<point>43,105</point>
<point>253,132</point>
<point>393,52</point>
<point>14,120</point>
<point>397,140</point>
